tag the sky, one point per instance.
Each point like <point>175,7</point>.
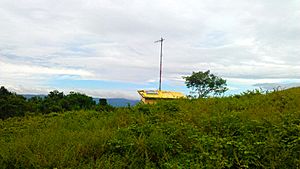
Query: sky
<point>105,48</point>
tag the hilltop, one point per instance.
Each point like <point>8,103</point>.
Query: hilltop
<point>251,130</point>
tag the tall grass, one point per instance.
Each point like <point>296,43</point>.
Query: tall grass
<point>248,131</point>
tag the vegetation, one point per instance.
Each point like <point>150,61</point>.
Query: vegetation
<point>251,130</point>
<point>12,104</point>
<point>205,83</point>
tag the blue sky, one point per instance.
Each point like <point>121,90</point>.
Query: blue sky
<point>235,86</point>
<point>105,48</point>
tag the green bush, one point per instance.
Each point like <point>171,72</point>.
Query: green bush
<point>246,131</point>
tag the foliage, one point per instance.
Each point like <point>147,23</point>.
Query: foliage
<point>253,130</point>
<point>104,108</point>
<point>204,83</point>
<point>12,104</point>
<point>4,92</point>
<point>103,102</point>
<point>78,101</point>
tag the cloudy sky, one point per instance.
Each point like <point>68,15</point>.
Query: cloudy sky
<point>105,48</point>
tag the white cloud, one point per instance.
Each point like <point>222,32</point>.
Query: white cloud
<point>32,70</point>
<point>113,39</point>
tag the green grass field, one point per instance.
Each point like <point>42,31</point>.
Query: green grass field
<point>248,131</point>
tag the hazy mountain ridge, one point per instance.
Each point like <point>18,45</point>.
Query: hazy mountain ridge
<point>117,102</point>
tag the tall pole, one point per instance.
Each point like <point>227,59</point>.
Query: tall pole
<point>160,63</point>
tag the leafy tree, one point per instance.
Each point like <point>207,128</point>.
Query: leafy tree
<point>103,102</point>
<point>76,101</point>
<point>11,104</point>
<point>55,95</point>
<point>53,102</point>
<point>4,92</point>
<point>35,104</point>
<point>104,106</point>
<point>205,83</point>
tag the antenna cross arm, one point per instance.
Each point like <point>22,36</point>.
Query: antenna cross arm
<point>161,40</point>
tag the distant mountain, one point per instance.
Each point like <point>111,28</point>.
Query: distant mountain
<point>28,96</point>
<point>119,102</point>
<point>116,102</point>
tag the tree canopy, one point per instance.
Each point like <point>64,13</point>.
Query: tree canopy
<point>205,83</point>
<point>12,104</point>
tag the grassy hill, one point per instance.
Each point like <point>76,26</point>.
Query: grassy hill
<point>251,130</point>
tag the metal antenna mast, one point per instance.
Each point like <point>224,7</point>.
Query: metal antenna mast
<point>160,65</point>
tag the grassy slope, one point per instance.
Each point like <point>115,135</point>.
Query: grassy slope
<point>255,131</point>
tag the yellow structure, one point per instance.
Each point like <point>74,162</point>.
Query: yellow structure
<point>151,96</point>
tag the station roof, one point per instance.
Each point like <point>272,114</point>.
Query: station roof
<point>160,94</point>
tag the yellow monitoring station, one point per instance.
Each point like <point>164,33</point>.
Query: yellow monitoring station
<point>152,96</point>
